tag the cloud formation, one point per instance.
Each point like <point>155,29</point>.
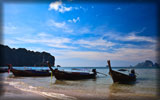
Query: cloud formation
<point>56,24</point>
<point>130,37</point>
<point>118,8</point>
<point>58,6</point>
<point>95,44</point>
<point>12,29</point>
<point>74,20</point>
<point>60,25</point>
<point>133,37</point>
<point>46,40</point>
<point>121,54</point>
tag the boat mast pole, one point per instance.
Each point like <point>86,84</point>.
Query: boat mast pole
<point>109,65</point>
<point>49,65</point>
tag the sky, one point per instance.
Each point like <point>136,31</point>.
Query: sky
<point>85,34</point>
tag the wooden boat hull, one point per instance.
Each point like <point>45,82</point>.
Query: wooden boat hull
<point>28,73</point>
<point>62,75</point>
<point>118,77</point>
<point>121,78</point>
<point>3,70</point>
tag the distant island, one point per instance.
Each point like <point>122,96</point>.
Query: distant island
<point>23,57</point>
<point>147,63</point>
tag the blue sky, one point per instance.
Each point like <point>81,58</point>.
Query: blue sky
<point>84,34</point>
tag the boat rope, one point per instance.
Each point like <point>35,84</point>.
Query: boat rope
<point>102,73</point>
<point>51,76</point>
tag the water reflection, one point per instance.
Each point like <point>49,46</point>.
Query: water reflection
<point>73,82</point>
<point>121,88</point>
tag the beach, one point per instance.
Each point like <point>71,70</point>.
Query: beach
<point>11,93</point>
<point>101,88</point>
<point>79,50</point>
<point>17,94</point>
<point>14,93</point>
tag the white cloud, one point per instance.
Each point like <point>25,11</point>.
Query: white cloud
<point>58,6</point>
<point>61,25</point>
<point>130,37</point>
<point>56,24</point>
<point>55,5</point>
<point>45,39</point>
<point>84,9</point>
<point>43,34</point>
<point>138,38</point>
<point>119,8</point>
<point>68,30</point>
<point>83,30</point>
<point>61,46</point>
<point>76,8</point>
<point>95,44</point>
<point>74,20</point>
<point>130,54</point>
<point>122,54</point>
<point>10,28</point>
<point>70,21</point>
<point>64,9</point>
<point>10,42</point>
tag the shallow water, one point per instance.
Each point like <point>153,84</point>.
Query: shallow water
<point>101,87</point>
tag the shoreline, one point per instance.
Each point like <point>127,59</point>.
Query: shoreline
<point>110,96</point>
<point>13,90</point>
<point>10,92</point>
<point>14,93</point>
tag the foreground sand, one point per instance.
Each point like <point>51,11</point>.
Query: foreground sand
<point>116,97</point>
<point>11,93</point>
<point>133,97</point>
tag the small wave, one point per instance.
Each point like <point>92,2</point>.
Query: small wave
<point>24,87</point>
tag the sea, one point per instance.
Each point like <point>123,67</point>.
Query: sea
<point>102,87</point>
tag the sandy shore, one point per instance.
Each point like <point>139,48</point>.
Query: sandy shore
<point>8,92</point>
<point>132,97</point>
<point>116,97</point>
<point>11,93</point>
<point>15,94</point>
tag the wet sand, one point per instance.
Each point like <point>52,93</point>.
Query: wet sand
<point>11,93</point>
<point>15,94</point>
<point>82,96</point>
<point>132,97</point>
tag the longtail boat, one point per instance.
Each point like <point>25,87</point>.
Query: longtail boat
<point>65,75</point>
<point>120,77</point>
<point>122,70</point>
<point>3,70</point>
<point>28,73</point>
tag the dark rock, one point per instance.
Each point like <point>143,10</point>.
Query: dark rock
<point>23,57</point>
<point>156,65</point>
<point>147,63</point>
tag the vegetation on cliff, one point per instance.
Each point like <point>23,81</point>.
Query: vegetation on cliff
<point>23,57</point>
<point>147,63</point>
